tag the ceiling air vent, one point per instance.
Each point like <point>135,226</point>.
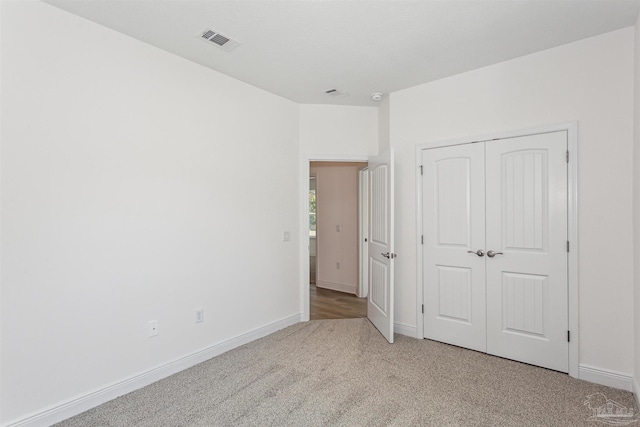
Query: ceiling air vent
<point>335,93</point>
<point>220,40</point>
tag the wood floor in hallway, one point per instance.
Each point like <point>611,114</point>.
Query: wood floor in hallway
<point>327,304</point>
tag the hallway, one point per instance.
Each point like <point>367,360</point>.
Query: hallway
<point>328,304</point>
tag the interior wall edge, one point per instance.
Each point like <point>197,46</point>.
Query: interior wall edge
<point>636,213</point>
<point>636,390</point>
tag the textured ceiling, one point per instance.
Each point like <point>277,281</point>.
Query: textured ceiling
<point>298,49</point>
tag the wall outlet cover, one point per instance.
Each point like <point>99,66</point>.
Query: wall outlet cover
<point>153,328</point>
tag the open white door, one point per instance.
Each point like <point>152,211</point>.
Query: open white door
<point>381,255</point>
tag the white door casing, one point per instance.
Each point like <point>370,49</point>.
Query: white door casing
<point>453,209</point>
<point>363,246</point>
<point>381,255</point>
<point>522,298</point>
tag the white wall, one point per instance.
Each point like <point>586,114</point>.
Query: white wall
<point>338,131</point>
<point>135,186</point>
<point>337,205</point>
<point>636,210</point>
<point>590,81</point>
<point>384,125</point>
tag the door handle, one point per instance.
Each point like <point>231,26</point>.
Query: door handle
<point>491,253</point>
<point>479,252</point>
<point>386,255</point>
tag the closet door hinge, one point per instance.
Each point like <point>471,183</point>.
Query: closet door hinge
<point>422,308</point>
<point>422,240</point>
<point>567,156</point>
<point>421,170</point>
<point>567,246</point>
<point>568,336</point>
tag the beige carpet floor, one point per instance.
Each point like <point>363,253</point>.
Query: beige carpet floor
<point>343,373</point>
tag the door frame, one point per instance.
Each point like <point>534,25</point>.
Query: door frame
<point>305,311</point>
<point>363,231</point>
<point>572,223</point>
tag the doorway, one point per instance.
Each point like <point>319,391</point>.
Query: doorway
<point>334,240</point>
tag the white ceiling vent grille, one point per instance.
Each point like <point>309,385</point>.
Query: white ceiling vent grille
<point>335,93</point>
<point>220,40</point>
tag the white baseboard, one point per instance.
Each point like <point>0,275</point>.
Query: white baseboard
<point>335,286</point>
<point>402,329</point>
<point>79,404</point>
<point>636,391</point>
<point>604,377</point>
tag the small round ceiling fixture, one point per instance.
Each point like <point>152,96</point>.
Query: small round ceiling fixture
<point>376,96</point>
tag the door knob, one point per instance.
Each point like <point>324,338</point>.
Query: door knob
<point>479,252</point>
<point>386,255</point>
<point>491,253</point>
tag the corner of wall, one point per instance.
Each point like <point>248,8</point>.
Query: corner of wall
<point>384,125</point>
<point>636,212</point>
<point>1,4</point>
<point>636,390</point>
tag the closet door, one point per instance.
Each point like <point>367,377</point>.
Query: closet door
<point>454,261</point>
<point>526,228</point>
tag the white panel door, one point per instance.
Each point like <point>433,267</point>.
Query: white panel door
<point>381,256</point>
<point>454,241</point>
<point>526,196</point>
<point>508,199</point>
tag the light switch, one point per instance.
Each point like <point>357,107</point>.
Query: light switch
<point>286,236</point>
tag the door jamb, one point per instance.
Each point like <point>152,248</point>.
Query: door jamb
<point>304,223</point>
<point>572,223</point>
<point>363,247</point>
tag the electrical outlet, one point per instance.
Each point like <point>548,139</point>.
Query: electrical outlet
<point>286,236</point>
<point>153,328</point>
<point>200,315</point>
<point>338,228</point>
